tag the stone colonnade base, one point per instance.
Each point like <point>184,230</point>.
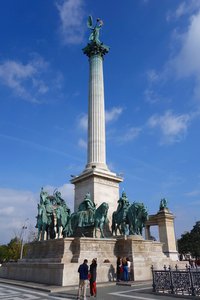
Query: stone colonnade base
<point>56,262</point>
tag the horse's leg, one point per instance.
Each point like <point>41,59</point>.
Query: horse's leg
<point>42,233</point>
<point>95,229</point>
<point>38,236</point>
<point>113,224</point>
<point>101,230</point>
<point>59,231</point>
<point>56,229</point>
<point>118,228</point>
<point>113,228</point>
<point>47,232</point>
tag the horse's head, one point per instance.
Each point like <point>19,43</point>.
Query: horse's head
<point>103,209</point>
<point>42,213</point>
<point>40,209</point>
<point>43,196</point>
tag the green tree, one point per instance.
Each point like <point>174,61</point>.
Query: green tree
<point>3,253</point>
<point>14,248</point>
<point>184,243</point>
<point>195,241</point>
<point>189,243</point>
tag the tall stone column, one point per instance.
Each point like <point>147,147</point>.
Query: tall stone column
<point>96,178</point>
<point>96,109</point>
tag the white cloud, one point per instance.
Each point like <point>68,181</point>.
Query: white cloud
<point>41,86</point>
<point>25,80</point>
<point>113,114</point>
<point>184,60</point>
<point>110,115</point>
<point>187,62</point>
<point>185,8</point>
<point>193,193</point>
<point>152,75</point>
<point>132,133</point>
<point>67,193</point>
<point>13,74</point>
<point>82,143</point>
<point>152,93</point>
<point>83,121</point>
<point>71,14</point>
<point>129,135</point>
<point>18,205</point>
<point>173,127</point>
<point>151,96</point>
<point>6,211</point>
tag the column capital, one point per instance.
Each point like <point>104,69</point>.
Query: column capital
<point>94,48</point>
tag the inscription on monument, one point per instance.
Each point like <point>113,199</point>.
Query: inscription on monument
<point>106,182</point>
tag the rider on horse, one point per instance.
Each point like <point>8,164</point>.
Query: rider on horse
<point>123,205</point>
<point>86,211</point>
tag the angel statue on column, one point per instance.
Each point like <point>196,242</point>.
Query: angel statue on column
<point>94,36</point>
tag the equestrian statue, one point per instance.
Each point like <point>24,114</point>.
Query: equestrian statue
<point>129,219</point>
<point>88,217</point>
<point>53,216</point>
<point>54,219</point>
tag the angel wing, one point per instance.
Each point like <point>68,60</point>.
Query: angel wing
<point>89,22</point>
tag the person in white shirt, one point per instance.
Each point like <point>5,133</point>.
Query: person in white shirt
<point>129,268</point>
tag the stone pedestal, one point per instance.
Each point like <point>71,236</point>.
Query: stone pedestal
<point>56,262</point>
<point>103,186</point>
<point>165,222</point>
<point>142,254</point>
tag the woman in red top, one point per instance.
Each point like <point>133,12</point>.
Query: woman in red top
<point>93,276</point>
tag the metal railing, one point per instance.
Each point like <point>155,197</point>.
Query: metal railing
<point>177,281</point>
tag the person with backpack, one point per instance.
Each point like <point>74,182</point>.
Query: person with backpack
<point>83,279</point>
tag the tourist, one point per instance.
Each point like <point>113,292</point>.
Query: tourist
<point>129,268</point>
<point>92,278</point>
<point>119,268</point>
<point>83,279</point>
<point>125,269</point>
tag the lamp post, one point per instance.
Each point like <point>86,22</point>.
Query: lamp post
<point>24,227</point>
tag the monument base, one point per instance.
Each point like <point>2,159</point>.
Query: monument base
<point>51,261</point>
<point>173,255</point>
<point>102,185</point>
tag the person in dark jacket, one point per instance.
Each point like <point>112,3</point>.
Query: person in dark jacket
<point>83,279</point>
<point>93,277</point>
<point>119,268</point>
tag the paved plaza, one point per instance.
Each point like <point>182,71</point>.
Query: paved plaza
<point>140,291</point>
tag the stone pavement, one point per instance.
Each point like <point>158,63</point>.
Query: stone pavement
<point>18,290</point>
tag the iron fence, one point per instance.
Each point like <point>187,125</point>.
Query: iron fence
<point>177,281</point>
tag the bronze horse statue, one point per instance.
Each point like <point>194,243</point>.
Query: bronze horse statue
<point>44,223</point>
<point>62,220</point>
<point>99,220</point>
<point>130,220</point>
<point>136,217</point>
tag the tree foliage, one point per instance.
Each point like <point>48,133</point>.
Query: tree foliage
<point>3,253</point>
<point>11,251</point>
<point>189,243</point>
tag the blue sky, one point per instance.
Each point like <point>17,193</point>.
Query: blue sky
<point>152,99</point>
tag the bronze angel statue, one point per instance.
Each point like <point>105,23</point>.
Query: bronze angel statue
<point>94,36</point>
